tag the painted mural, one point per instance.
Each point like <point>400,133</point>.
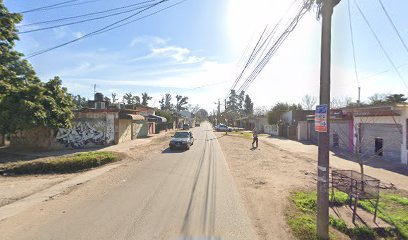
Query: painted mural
<point>88,132</point>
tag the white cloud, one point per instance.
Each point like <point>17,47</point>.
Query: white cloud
<point>149,40</point>
<point>77,34</point>
<point>60,32</point>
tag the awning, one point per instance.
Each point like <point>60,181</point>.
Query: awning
<point>155,118</point>
<point>133,117</point>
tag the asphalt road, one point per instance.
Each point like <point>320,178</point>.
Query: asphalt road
<point>171,195</point>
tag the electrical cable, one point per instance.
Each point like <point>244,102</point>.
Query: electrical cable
<point>85,20</point>
<point>393,25</point>
<point>84,15</point>
<point>352,43</point>
<point>381,46</point>
<point>261,49</point>
<point>48,6</point>
<point>304,8</point>
<point>107,28</point>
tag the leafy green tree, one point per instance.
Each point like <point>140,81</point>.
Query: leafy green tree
<point>145,99</point>
<point>278,109</point>
<point>80,102</point>
<point>248,106</point>
<point>396,98</point>
<point>165,113</point>
<point>25,101</point>
<point>129,99</point>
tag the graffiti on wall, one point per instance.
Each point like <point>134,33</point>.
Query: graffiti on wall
<point>89,132</point>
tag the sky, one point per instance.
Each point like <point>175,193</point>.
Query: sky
<point>197,48</point>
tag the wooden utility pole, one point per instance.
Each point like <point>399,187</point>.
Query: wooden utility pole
<point>324,137</point>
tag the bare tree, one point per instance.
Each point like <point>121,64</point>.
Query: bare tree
<point>341,102</point>
<point>308,102</point>
<point>361,151</point>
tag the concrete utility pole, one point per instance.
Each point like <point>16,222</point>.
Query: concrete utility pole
<point>324,137</point>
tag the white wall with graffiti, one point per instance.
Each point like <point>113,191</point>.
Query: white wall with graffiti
<point>88,132</point>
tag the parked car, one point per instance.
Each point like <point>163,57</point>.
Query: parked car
<point>182,139</point>
<point>222,128</point>
<point>186,126</point>
<point>197,124</point>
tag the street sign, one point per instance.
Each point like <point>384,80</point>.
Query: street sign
<point>321,118</point>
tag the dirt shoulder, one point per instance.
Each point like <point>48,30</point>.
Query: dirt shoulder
<point>265,177</point>
<point>14,188</point>
<point>388,173</point>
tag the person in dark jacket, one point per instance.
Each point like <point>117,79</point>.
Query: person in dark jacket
<point>255,138</point>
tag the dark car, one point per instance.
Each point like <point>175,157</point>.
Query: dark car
<point>182,139</point>
<point>186,126</point>
<point>197,124</point>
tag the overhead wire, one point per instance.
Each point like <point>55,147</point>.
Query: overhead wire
<point>48,6</point>
<point>352,43</point>
<point>259,50</point>
<point>393,25</point>
<point>85,20</point>
<point>109,27</point>
<point>293,23</point>
<point>381,45</point>
<point>84,15</point>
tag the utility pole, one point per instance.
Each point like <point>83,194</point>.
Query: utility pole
<point>324,137</point>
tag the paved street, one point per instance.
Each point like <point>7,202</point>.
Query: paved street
<point>170,195</point>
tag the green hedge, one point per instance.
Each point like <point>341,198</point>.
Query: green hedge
<point>63,164</point>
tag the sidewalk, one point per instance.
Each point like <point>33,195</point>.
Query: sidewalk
<point>393,173</point>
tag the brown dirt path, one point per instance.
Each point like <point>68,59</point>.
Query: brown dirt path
<point>265,177</point>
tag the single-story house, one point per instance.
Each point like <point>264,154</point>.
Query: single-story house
<point>91,127</point>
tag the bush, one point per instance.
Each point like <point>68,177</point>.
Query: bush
<point>64,164</point>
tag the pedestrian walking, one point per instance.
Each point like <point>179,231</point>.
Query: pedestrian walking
<point>255,138</point>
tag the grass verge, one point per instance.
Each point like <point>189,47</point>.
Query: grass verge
<point>393,208</point>
<point>247,135</point>
<point>63,164</point>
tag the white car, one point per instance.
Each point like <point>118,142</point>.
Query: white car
<point>222,128</point>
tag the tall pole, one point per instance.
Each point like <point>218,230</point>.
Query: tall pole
<point>324,137</point>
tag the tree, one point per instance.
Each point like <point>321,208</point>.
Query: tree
<point>308,102</point>
<point>278,109</point>
<point>129,99</point>
<point>181,102</point>
<point>340,102</point>
<point>25,101</point>
<point>248,106</point>
<point>114,97</point>
<point>202,115</point>
<point>165,113</point>
<point>165,102</point>
<point>145,99</point>
<point>396,98</point>
<point>261,111</point>
<point>377,99</point>
<point>80,102</point>
<point>193,108</point>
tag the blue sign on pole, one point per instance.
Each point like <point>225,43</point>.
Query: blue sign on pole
<point>321,118</point>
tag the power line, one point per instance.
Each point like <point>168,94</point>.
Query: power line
<point>84,15</point>
<point>393,25</point>
<point>48,6</point>
<point>381,46</point>
<point>85,20</point>
<point>352,43</point>
<point>108,27</point>
<point>293,23</point>
<point>259,49</point>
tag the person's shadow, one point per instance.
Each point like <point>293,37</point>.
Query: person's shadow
<point>253,148</point>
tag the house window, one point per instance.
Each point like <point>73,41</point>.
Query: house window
<point>379,146</point>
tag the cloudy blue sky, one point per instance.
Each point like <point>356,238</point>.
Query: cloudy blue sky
<point>196,49</point>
